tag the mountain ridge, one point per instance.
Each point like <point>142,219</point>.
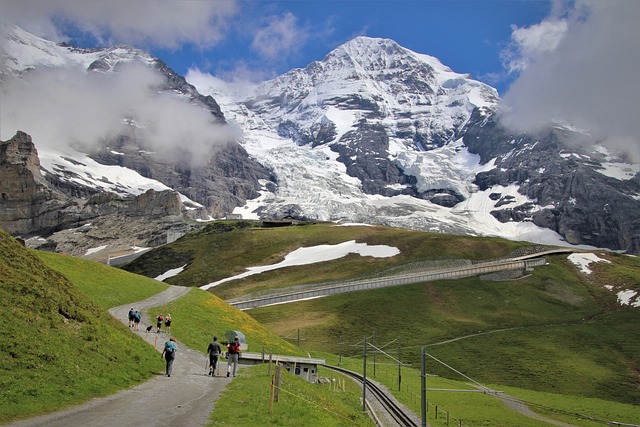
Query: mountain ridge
<point>376,133</point>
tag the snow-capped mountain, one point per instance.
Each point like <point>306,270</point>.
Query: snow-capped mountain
<point>115,120</point>
<point>373,133</point>
<point>377,133</point>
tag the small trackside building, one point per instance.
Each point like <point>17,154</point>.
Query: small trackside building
<point>305,367</point>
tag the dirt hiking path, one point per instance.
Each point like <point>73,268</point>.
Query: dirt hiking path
<point>185,399</point>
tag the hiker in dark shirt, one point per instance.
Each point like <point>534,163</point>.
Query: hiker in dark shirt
<point>132,316</point>
<point>214,351</point>
<point>136,320</point>
<point>169,354</point>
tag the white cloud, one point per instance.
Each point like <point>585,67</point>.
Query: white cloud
<point>166,24</point>
<point>58,107</point>
<point>281,37</point>
<point>529,43</point>
<point>585,74</point>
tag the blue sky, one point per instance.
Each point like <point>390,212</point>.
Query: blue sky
<point>466,35</point>
<point>260,39</point>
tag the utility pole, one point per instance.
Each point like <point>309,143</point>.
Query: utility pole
<point>364,378</point>
<point>375,352</point>
<point>399,366</point>
<point>423,381</point>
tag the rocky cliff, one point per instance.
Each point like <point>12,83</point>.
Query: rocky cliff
<point>33,204</point>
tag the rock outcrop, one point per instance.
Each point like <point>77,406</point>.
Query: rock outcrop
<point>32,205</point>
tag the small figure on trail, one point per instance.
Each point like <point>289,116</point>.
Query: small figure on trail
<point>159,324</point>
<point>169,354</point>
<point>214,351</point>
<point>136,320</point>
<point>132,316</point>
<point>233,352</point>
<point>167,323</point>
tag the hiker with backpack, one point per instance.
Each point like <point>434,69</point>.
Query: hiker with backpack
<point>132,314</point>
<point>167,323</point>
<point>159,323</point>
<point>169,354</point>
<point>136,320</point>
<point>213,350</point>
<point>233,353</point>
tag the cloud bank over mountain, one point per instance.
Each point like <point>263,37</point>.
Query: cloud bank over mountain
<point>579,67</point>
<point>70,106</point>
<point>142,22</point>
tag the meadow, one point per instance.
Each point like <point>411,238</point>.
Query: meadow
<point>555,338</point>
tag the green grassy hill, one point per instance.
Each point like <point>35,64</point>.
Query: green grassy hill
<point>557,337</point>
<point>556,330</point>
<point>59,347</point>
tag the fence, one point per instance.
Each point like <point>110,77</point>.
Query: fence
<point>405,279</point>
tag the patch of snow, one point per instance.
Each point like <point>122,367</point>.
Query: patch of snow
<point>343,119</point>
<point>170,273</point>
<point>625,298</point>
<point>621,171</point>
<point>582,261</point>
<point>94,250</point>
<point>315,254</point>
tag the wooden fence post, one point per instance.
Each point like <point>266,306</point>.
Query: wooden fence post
<point>278,382</point>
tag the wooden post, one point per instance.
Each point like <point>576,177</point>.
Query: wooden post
<point>270,360</point>
<point>271,395</point>
<point>278,382</point>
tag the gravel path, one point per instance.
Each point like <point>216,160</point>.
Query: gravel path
<point>185,399</point>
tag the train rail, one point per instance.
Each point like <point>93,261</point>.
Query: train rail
<point>389,405</point>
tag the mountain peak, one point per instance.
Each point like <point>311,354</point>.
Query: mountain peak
<point>374,53</point>
<point>24,50</point>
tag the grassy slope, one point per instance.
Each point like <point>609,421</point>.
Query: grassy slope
<point>59,348</point>
<point>299,404</point>
<point>227,248</point>
<point>95,376</point>
<point>568,334</point>
<point>555,296</point>
<point>106,286</point>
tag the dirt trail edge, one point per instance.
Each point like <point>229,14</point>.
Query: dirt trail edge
<point>185,399</point>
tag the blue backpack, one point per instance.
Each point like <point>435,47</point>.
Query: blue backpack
<point>169,347</point>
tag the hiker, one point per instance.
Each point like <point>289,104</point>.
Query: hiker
<point>213,350</point>
<point>136,320</point>
<point>169,354</point>
<point>233,352</point>
<point>167,323</point>
<point>159,323</point>
<point>132,314</point>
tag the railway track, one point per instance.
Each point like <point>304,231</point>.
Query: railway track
<point>395,412</point>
